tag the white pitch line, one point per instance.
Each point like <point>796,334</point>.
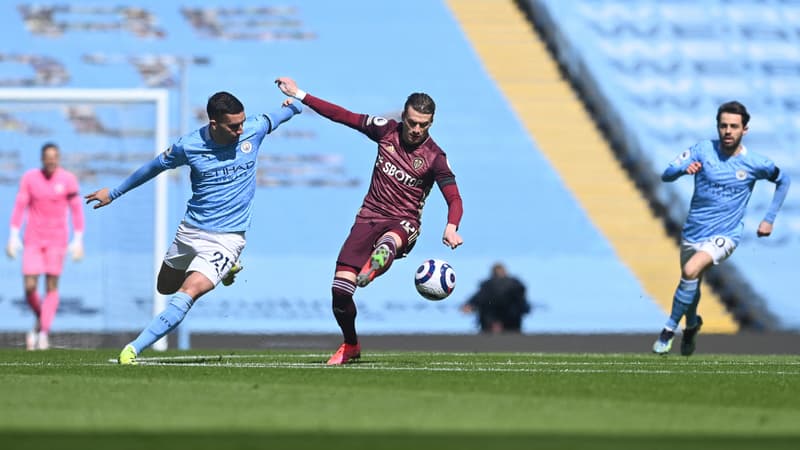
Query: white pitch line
<point>566,367</point>
<point>460,366</point>
<point>178,359</point>
<point>677,361</point>
<point>655,361</point>
<point>362,366</point>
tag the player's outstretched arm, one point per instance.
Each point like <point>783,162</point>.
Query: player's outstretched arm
<point>326,109</point>
<point>289,87</point>
<point>142,175</point>
<point>101,196</point>
<point>287,110</point>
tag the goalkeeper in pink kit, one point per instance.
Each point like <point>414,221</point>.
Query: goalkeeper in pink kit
<point>44,198</point>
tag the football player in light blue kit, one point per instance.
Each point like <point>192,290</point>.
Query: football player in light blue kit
<point>223,157</point>
<point>724,175</point>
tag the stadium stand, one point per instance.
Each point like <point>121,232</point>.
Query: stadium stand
<point>567,135</point>
<point>521,200</point>
<point>655,72</point>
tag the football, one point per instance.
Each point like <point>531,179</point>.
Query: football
<point>435,279</point>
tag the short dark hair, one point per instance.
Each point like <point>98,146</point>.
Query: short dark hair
<point>734,107</point>
<point>223,103</point>
<point>421,102</point>
<point>49,145</point>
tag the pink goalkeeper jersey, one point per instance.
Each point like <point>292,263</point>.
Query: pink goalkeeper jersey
<point>47,201</point>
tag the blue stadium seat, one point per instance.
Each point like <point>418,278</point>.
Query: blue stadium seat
<point>664,67</point>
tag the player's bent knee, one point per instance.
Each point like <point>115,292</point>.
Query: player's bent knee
<point>691,273</point>
<point>696,265</point>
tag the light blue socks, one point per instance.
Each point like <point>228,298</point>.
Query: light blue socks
<point>165,322</point>
<point>691,313</point>
<point>682,302</point>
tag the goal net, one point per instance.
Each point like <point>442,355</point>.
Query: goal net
<point>103,134</point>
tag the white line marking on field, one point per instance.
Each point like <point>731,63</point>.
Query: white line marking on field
<point>515,364</point>
<point>363,366</point>
<point>566,367</point>
<point>655,360</point>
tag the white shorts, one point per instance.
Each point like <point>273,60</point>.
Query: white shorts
<point>212,254</point>
<point>719,247</point>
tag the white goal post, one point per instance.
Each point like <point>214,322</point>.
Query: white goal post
<point>157,97</point>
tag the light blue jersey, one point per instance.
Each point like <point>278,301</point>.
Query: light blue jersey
<point>722,189</point>
<point>223,177</point>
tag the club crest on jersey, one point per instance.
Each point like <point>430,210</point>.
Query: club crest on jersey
<point>246,147</point>
<point>168,151</point>
<point>741,174</point>
<point>418,162</point>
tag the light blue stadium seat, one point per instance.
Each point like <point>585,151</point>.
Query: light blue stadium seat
<point>750,53</point>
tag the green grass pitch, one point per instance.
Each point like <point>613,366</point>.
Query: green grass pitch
<point>79,399</point>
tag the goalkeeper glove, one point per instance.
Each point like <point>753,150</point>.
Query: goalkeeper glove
<point>76,246</point>
<point>14,243</point>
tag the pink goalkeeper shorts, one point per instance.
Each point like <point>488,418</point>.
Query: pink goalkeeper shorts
<point>37,260</point>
